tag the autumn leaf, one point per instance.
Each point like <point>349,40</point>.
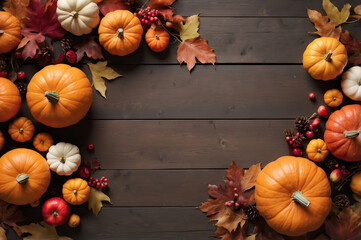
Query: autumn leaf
<point>336,17</point>
<point>30,41</point>
<point>95,164</point>
<point>264,232</point>
<point>357,9</point>
<point>351,43</point>
<point>230,217</point>
<point>95,200</point>
<point>41,231</point>
<point>17,8</point>
<point>90,48</point>
<point>100,72</point>
<point>2,234</point>
<point>10,215</point>
<point>346,225</point>
<point>188,29</point>
<point>239,234</point>
<point>165,10</point>
<point>107,6</point>
<point>324,27</point>
<point>191,49</point>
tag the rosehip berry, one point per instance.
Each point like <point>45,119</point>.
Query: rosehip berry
<point>98,185</point>
<point>322,111</point>
<point>335,175</point>
<point>84,172</point>
<point>311,96</point>
<point>295,145</point>
<point>97,180</point>
<point>290,142</point>
<point>345,172</point>
<point>232,202</point>
<point>315,123</point>
<point>89,183</point>
<point>309,134</point>
<point>3,74</point>
<point>297,152</point>
<point>102,179</point>
<point>70,56</point>
<point>288,138</point>
<point>297,134</point>
<point>21,75</point>
<point>169,24</point>
<point>336,166</point>
<point>91,179</point>
<point>235,189</point>
<point>105,179</point>
<point>235,195</point>
<point>105,184</point>
<point>102,185</point>
<point>90,146</point>
<point>237,204</point>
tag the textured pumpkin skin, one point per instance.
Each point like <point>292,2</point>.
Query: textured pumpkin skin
<point>75,95</point>
<point>351,83</point>
<point>43,141</point>
<point>74,221</point>
<point>2,140</point>
<point>274,187</point>
<point>21,129</point>
<point>133,31</point>
<point>79,186</point>
<point>10,100</point>
<point>11,36</point>
<point>315,64</point>
<point>333,97</point>
<point>348,118</point>
<point>356,183</point>
<point>19,161</point>
<point>317,150</point>
<point>157,39</point>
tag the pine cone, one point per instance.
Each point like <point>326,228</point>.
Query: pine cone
<point>341,201</point>
<point>251,212</point>
<point>330,163</point>
<point>301,124</point>
<point>288,132</point>
<point>66,44</point>
<point>45,55</point>
<point>21,86</point>
<point>299,139</point>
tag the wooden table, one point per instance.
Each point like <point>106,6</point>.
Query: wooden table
<point>164,134</point>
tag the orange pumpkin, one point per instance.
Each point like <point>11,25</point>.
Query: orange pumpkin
<point>333,97</point>
<point>157,39</point>
<point>317,150</point>
<point>2,140</point>
<point>120,32</point>
<point>325,58</point>
<point>293,195</point>
<point>21,129</point>
<point>9,32</point>
<point>74,221</point>
<point>42,142</point>
<point>24,176</point>
<point>76,191</point>
<point>10,100</point>
<point>342,134</point>
<point>59,95</point>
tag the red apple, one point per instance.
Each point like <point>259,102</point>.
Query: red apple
<point>322,111</point>
<point>55,211</point>
<point>336,175</point>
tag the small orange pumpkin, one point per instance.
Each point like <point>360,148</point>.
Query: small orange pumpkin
<point>120,32</point>
<point>2,140</point>
<point>9,32</point>
<point>157,39</point>
<point>24,176</point>
<point>74,221</point>
<point>333,97</point>
<point>325,58</point>
<point>42,142</point>
<point>21,129</point>
<point>76,191</point>
<point>10,100</point>
<point>317,150</point>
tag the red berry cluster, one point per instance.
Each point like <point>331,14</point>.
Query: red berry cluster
<point>147,16</point>
<point>96,183</point>
<point>236,202</point>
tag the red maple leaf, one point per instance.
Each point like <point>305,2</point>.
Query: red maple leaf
<point>30,41</point>
<point>346,225</point>
<point>90,48</point>
<point>107,6</point>
<point>194,48</point>
<point>10,215</point>
<point>95,164</point>
<point>351,43</point>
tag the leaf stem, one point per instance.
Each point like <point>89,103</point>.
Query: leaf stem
<point>176,37</point>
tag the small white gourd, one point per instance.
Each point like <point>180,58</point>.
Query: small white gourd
<point>351,83</point>
<point>63,158</point>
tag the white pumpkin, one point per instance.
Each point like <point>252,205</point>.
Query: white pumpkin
<point>351,83</point>
<point>63,158</point>
<point>78,16</point>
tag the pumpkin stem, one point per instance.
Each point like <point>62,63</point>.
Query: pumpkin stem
<point>52,96</point>
<point>157,37</point>
<point>351,134</point>
<point>300,198</point>
<point>120,33</point>
<point>22,178</point>
<point>74,14</point>
<point>327,56</point>
<point>1,32</point>
<point>75,191</point>
<point>21,130</point>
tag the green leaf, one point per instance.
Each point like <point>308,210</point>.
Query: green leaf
<point>100,72</point>
<point>41,231</point>
<point>336,17</point>
<point>95,200</point>
<point>189,29</point>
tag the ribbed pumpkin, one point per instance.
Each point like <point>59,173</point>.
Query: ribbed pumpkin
<point>76,191</point>
<point>293,195</point>
<point>10,100</point>
<point>317,150</point>
<point>157,39</point>
<point>333,97</point>
<point>24,176</point>
<point>120,32</point>
<point>43,141</point>
<point>9,32</point>
<point>325,58</point>
<point>342,134</point>
<point>59,95</point>
<point>355,184</point>
<point>21,129</point>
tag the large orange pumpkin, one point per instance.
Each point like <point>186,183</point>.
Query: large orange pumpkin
<point>293,195</point>
<point>9,32</point>
<point>325,58</point>
<point>59,95</point>
<point>10,100</point>
<point>24,176</point>
<point>342,134</point>
<point>120,32</point>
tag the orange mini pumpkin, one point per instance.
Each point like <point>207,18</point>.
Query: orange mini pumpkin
<point>2,140</point>
<point>74,221</point>
<point>24,176</point>
<point>120,32</point>
<point>76,191</point>
<point>42,142</point>
<point>21,129</point>
<point>157,39</point>
<point>9,32</point>
<point>10,100</point>
<point>333,97</point>
<point>325,58</point>
<point>59,95</point>
<point>317,150</point>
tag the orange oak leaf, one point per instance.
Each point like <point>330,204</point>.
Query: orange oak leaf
<point>194,48</point>
<point>89,47</point>
<point>324,27</point>
<point>346,225</point>
<point>107,6</point>
<point>17,8</point>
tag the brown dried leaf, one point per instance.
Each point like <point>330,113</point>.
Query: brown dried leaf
<point>17,8</point>
<point>324,27</point>
<point>95,200</point>
<point>90,48</point>
<point>265,232</point>
<point>336,17</point>
<point>239,234</point>
<point>42,231</point>
<point>351,43</point>
<point>346,225</point>
<point>357,9</point>
<point>10,215</point>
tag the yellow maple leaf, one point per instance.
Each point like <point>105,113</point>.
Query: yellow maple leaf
<point>95,200</point>
<point>188,29</point>
<point>336,17</point>
<point>41,231</point>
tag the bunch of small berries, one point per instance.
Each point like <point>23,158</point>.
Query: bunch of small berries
<point>96,183</point>
<point>20,82</point>
<point>147,16</point>
<point>235,201</point>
